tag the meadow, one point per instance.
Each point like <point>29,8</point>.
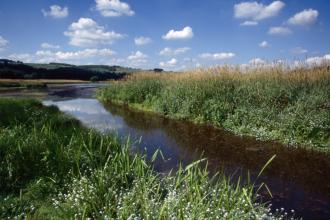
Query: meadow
<point>291,106</point>
<point>8,84</point>
<point>51,167</point>
<point>14,84</point>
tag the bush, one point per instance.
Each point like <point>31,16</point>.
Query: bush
<point>94,79</point>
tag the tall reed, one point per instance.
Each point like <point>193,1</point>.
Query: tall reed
<point>273,103</point>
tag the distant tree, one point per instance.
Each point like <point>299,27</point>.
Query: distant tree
<point>158,70</point>
<point>94,79</point>
<point>17,70</point>
<point>28,76</point>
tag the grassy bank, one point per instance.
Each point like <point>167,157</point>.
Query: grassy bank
<point>22,84</point>
<point>33,84</point>
<point>53,168</point>
<point>292,107</point>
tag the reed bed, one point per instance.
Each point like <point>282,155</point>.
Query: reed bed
<point>291,106</point>
<point>53,168</point>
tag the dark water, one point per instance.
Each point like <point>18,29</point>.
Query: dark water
<point>298,179</point>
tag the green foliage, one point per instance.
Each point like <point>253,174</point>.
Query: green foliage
<point>135,91</point>
<point>53,168</point>
<point>18,70</point>
<point>94,79</point>
<point>291,107</point>
<point>27,85</point>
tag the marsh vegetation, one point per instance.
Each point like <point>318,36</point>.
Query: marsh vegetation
<point>291,106</point>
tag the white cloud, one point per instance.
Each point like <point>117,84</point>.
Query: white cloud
<point>167,51</point>
<point>142,40</point>
<point>217,56</point>
<point>113,8</point>
<point>56,11</point>
<point>25,57</point>
<point>115,61</point>
<point>171,63</point>
<point>279,31</point>
<point>249,23</point>
<point>189,62</point>
<point>257,61</point>
<point>86,32</point>
<point>137,55</point>
<point>316,61</point>
<point>46,56</point>
<point>306,17</point>
<point>257,11</point>
<point>82,54</point>
<point>3,43</point>
<point>137,58</point>
<point>49,46</point>
<point>185,33</point>
<point>299,50</point>
<point>264,44</point>
<point>188,59</point>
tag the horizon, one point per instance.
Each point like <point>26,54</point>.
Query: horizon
<point>165,34</point>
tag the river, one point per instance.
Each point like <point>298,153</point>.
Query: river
<point>298,179</point>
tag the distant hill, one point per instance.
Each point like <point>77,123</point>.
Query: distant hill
<point>10,69</point>
<point>49,65</point>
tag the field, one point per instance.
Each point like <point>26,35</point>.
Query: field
<point>291,106</point>
<point>54,168</point>
<point>38,83</point>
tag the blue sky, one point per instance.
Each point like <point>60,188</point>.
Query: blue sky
<point>172,34</point>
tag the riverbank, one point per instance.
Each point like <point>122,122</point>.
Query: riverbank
<point>289,106</point>
<point>53,167</point>
<point>6,84</point>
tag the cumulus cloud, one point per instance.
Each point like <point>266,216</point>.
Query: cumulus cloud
<point>257,62</point>
<point>25,57</point>
<point>316,61</point>
<point>282,31</point>
<point>167,51</point>
<point>56,11</point>
<point>137,58</point>
<point>113,8</point>
<point>3,43</point>
<point>299,50</point>
<point>46,56</point>
<point>257,11</point>
<point>264,44</point>
<point>79,54</point>
<point>86,33</point>
<point>249,23</point>
<point>217,56</point>
<point>49,46</point>
<point>142,40</point>
<point>171,63</point>
<point>137,55</point>
<point>306,17</point>
<point>185,33</point>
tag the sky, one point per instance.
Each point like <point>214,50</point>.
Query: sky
<point>169,34</point>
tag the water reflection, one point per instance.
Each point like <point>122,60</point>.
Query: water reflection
<point>90,112</point>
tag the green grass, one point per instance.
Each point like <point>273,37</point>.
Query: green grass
<point>21,84</point>
<point>292,107</point>
<point>51,167</point>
